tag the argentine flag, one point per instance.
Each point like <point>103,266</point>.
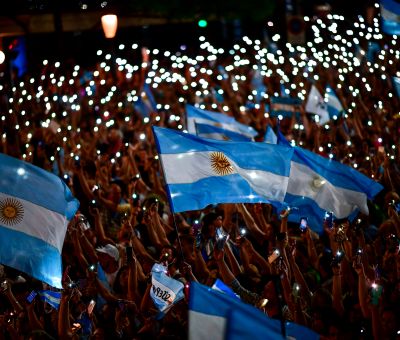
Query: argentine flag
<point>217,316</point>
<point>333,105</point>
<point>165,291</point>
<point>318,185</point>
<point>196,115</point>
<point>52,298</point>
<point>285,106</point>
<point>146,103</point>
<point>390,13</point>
<point>199,171</point>
<point>35,207</point>
<point>315,104</point>
<point>218,133</point>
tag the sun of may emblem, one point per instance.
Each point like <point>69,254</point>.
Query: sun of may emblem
<point>11,211</point>
<point>220,164</point>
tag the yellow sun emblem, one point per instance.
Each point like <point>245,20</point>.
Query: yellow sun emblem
<point>220,164</point>
<point>11,211</point>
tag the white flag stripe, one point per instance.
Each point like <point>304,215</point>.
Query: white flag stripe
<point>38,222</point>
<point>204,326</point>
<point>212,135</point>
<point>340,201</point>
<point>187,167</point>
<point>191,167</point>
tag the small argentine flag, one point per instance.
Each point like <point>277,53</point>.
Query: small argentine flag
<point>165,291</point>
<point>52,298</point>
<point>195,115</point>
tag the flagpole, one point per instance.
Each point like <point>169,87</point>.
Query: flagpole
<point>278,288</point>
<point>169,196</point>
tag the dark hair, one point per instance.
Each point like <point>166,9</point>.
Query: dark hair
<point>117,286</point>
<point>207,221</point>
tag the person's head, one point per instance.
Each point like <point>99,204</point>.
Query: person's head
<point>114,135</point>
<point>210,223</point>
<point>389,323</point>
<point>121,281</point>
<point>168,255</point>
<point>188,246</point>
<point>115,193</point>
<point>108,256</point>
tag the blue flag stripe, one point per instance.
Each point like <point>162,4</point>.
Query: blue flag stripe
<point>210,191</point>
<point>32,256</point>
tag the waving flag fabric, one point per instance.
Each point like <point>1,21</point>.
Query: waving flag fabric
<point>316,104</point>
<point>217,119</point>
<point>202,171</point>
<point>390,13</point>
<point>285,106</point>
<point>318,185</point>
<point>146,103</point>
<point>333,105</point>
<point>165,291</point>
<point>214,132</point>
<point>215,315</point>
<point>35,207</point>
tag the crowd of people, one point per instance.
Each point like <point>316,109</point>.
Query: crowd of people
<point>83,125</point>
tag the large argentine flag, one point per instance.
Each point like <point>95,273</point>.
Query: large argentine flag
<point>318,185</point>
<point>218,133</point>
<point>221,120</point>
<point>215,315</point>
<point>390,13</point>
<point>199,171</point>
<point>35,207</point>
